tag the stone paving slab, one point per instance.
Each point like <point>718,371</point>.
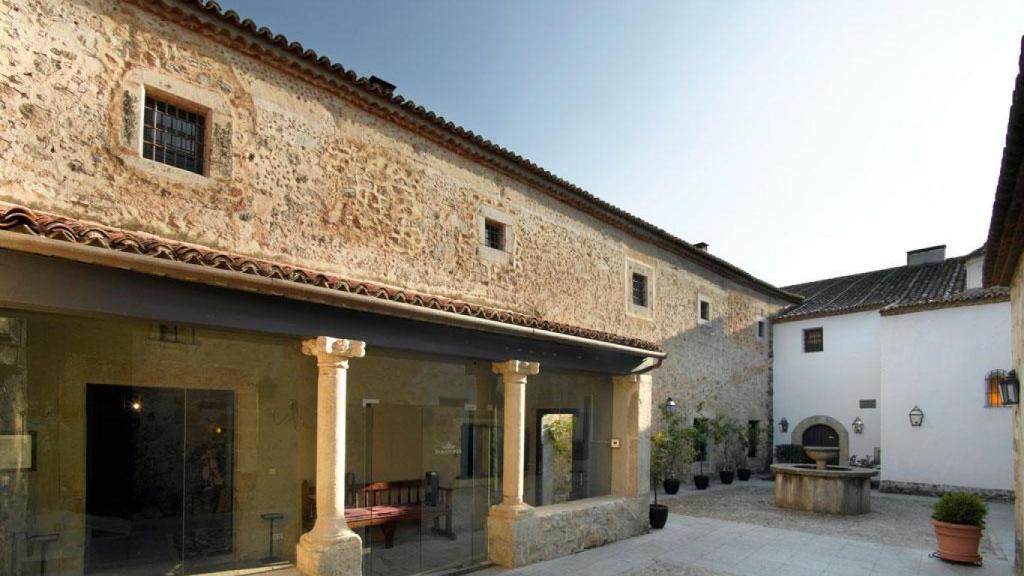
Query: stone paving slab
<point>692,546</point>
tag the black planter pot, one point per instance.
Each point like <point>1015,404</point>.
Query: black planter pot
<point>658,516</point>
<point>743,474</point>
<point>701,482</point>
<point>671,485</point>
<point>726,476</point>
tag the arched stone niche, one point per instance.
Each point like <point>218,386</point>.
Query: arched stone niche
<point>844,436</point>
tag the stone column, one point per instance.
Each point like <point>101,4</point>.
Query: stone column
<point>631,424</point>
<point>331,548</point>
<point>514,374</point>
<point>502,536</point>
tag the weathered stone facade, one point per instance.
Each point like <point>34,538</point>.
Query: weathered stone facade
<point>304,172</point>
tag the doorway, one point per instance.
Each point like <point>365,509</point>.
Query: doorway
<point>561,459</point>
<point>159,481</point>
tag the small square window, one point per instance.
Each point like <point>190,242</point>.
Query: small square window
<point>760,329</point>
<point>172,135</point>
<point>494,235</point>
<point>704,310</point>
<point>639,290</point>
<point>814,340</point>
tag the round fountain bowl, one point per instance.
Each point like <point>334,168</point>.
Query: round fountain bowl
<point>821,454</point>
<point>829,490</point>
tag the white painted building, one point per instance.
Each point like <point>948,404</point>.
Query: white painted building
<point>862,351</point>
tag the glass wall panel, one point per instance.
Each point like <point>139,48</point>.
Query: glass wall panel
<point>128,447</point>
<point>423,460</point>
<point>568,437</point>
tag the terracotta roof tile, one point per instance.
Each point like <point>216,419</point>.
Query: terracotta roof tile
<point>23,220</point>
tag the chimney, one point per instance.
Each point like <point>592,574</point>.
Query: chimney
<point>386,87</point>
<point>702,246</point>
<point>926,255</point>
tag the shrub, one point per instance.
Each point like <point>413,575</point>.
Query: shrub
<point>791,454</point>
<point>960,508</point>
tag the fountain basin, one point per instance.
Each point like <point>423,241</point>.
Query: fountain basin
<point>832,490</point>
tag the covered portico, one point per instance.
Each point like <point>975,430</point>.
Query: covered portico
<point>339,328</point>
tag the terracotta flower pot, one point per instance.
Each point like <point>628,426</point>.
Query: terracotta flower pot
<point>958,542</point>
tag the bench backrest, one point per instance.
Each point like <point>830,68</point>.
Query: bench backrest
<point>393,493</point>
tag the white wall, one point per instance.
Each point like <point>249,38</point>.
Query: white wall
<point>829,383</point>
<point>937,360</point>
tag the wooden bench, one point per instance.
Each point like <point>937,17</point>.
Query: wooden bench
<point>385,504</point>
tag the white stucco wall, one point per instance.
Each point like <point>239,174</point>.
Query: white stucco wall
<point>829,383</point>
<point>937,360</point>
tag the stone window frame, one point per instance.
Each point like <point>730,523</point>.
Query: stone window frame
<point>702,299</point>
<point>647,271</point>
<point>489,214</point>
<point>761,329</point>
<point>130,110</point>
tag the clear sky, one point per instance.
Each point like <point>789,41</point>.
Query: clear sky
<point>800,139</point>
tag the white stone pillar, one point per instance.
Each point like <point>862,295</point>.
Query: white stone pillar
<point>331,548</point>
<point>513,375</point>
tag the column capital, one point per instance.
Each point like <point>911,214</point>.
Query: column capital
<point>515,368</point>
<point>331,350</point>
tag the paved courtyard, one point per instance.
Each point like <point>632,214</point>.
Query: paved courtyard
<point>736,531</point>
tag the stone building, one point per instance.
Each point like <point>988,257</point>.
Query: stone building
<point>1004,267</point>
<point>257,309</point>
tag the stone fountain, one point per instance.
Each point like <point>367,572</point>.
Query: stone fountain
<point>821,487</point>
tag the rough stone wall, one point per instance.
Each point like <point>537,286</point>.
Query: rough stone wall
<point>297,173</point>
<point>563,529</point>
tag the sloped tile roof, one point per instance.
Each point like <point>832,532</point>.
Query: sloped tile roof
<point>17,219</point>
<point>965,298</point>
<point>1005,244</point>
<point>381,99</point>
<point>906,286</point>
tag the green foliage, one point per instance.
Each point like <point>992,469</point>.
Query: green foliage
<point>791,454</point>
<point>671,449</point>
<point>726,433</point>
<point>960,508</point>
<point>560,432</point>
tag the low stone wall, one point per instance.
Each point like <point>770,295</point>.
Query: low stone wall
<point>561,529</point>
<point>924,489</point>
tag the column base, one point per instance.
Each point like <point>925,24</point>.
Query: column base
<point>510,510</point>
<point>341,556</point>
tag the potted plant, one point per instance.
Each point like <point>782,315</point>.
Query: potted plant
<point>958,519</point>
<point>658,513</point>
<point>698,435</point>
<point>673,445</point>
<point>724,433</point>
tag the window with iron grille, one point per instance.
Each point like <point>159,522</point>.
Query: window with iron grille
<point>753,431</point>
<point>760,329</point>
<point>494,234</point>
<point>814,340</point>
<point>868,403</point>
<point>172,135</point>
<point>639,290</point>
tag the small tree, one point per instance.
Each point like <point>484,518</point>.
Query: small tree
<point>725,433</point>
<point>671,449</point>
<point>698,434</point>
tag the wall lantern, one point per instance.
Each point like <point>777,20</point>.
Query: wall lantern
<point>671,405</point>
<point>1009,388</point>
<point>784,425</point>
<point>916,416</point>
<point>858,425</point>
